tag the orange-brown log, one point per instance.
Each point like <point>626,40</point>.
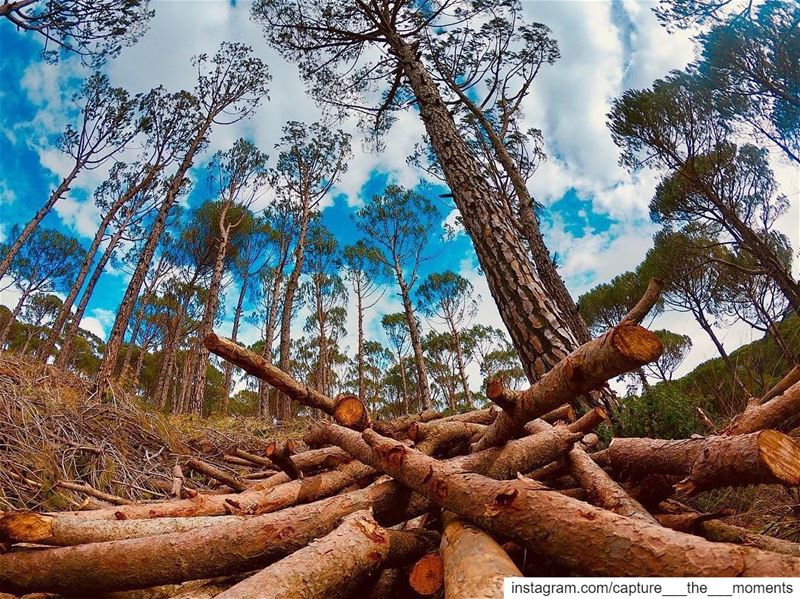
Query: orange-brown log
<point>792,377</point>
<point>250,502</point>
<point>565,413</point>
<point>427,575</point>
<point>281,452</point>
<point>711,462</point>
<point>474,564</point>
<point>254,364</point>
<point>623,348</point>
<point>435,437</point>
<point>228,548</point>
<point>177,481</point>
<point>589,421</point>
<point>329,568</point>
<point>520,455</point>
<point>586,539</point>
<point>255,460</point>
<point>234,481</point>
<point>237,461</point>
<point>97,494</point>
<point>601,490</point>
<point>770,415</point>
<point>350,411</point>
<point>61,530</point>
<point>397,427</point>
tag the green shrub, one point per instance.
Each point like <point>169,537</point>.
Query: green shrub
<point>663,411</point>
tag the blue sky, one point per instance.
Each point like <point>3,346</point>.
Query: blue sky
<point>595,215</point>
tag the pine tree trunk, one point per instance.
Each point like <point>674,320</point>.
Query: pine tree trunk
<point>423,390</point>
<point>462,368</point>
<point>30,227</point>
<point>284,407</point>
<point>539,331</point>
<point>360,357</point>
<point>125,309</point>
<point>14,315</point>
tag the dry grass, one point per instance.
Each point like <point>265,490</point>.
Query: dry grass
<point>52,430</point>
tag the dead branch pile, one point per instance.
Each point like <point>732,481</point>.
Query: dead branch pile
<point>429,504</point>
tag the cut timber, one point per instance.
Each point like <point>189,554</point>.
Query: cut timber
<point>227,548</point>
<point>46,529</point>
<point>397,427</point>
<point>474,564</point>
<point>250,502</point>
<point>434,437</point>
<point>331,567</point>
<point>226,478</point>
<point>578,536</point>
<point>427,575</point>
<point>589,421</point>
<point>351,412</point>
<point>601,490</point>
<point>91,491</point>
<point>623,348</point>
<point>565,413</point>
<point>257,366</point>
<point>280,452</point>
<point>712,462</point>
<point>773,414</point>
<point>792,377</point>
<point>177,481</point>
<point>253,458</point>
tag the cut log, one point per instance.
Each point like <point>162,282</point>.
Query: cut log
<point>280,452</point>
<point>351,412</point>
<point>254,459</point>
<point>623,348</point>
<point>770,415</point>
<point>427,575</point>
<point>601,490</point>
<point>397,427</point>
<point>250,502</point>
<point>331,567</point>
<point>712,462</point>
<point>91,491</point>
<point>474,564</point>
<point>254,364</point>
<point>228,548</point>
<point>436,437</point>
<point>177,481</point>
<point>565,413</point>
<point>60,530</point>
<point>581,537</point>
<point>233,481</point>
<point>589,421</point>
<point>792,377</point>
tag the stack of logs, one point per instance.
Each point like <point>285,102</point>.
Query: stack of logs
<point>429,504</point>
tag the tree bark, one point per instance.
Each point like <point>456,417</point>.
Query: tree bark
<point>237,316</point>
<point>423,390</point>
<point>775,413</point>
<point>792,377</point>
<point>226,478</point>
<point>539,331</point>
<point>711,462</point>
<point>583,538</point>
<point>619,350</point>
<point>227,548</point>
<point>474,564</point>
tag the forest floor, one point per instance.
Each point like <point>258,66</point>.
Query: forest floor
<point>52,431</point>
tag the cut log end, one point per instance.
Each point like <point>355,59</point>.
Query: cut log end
<point>351,412</point>
<point>25,527</point>
<point>781,454</point>
<point>427,575</point>
<point>636,342</point>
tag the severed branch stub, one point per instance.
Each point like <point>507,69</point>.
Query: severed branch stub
<point>232,480</point>
<point>280,453</point>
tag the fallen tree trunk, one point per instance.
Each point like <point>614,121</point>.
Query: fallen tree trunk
<point>330,567</point>
<point>59,530</point>
<point>228,548</point>
<point>623,348</point>
<point>586,539</point>
<point>398,426</point>
<point>772,414</point>
<point>250,502</point>
<point>711,462</point>
<point>226,478</point>
<point>434,437</point>
<point>427,575</point>
<point>474,564</point>
<point>601,490</point>
<point>281,452</point>
<point>791,378</point>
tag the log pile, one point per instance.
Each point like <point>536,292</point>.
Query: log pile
<point>427,504</point>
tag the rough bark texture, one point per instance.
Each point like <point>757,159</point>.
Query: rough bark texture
<point>231,547</point>
<point>792,377</point>
<point>711,462</point>
<point>280,452</point>
<point>774,413</point>
<point>330,567</point>
<point>621,349</point>
<point>601,490</point>
<point>474,564</point>
<point>586,539</point>
<point>226,478</point>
